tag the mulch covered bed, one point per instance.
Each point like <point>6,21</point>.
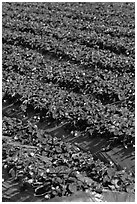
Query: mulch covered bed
<point>50,167</point>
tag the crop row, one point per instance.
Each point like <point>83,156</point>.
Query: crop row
<point>118,45</point>
<point>82,55</point>
<point>48,67</point>
<point>102,84</point>
<point>77,14</point>
<point>53,167</point>
<point>73,64</point>
<point>83,113</point>
<point>41,26</point>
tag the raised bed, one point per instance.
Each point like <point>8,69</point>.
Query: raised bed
<point>11,188</point>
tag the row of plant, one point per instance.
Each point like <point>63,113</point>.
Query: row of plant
<point>53,103</point>
<point>118,45</point>
<point>114,90</point>
<point>79,54</point>
<point>102,84</point>
<point>76,13</point>
<point>55,168</point>
<point>64,64</point>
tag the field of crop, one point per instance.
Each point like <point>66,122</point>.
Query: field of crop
<point>74,64</point>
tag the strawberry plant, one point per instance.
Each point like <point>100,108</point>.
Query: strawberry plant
<point>64,65</point>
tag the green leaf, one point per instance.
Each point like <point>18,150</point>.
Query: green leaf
<point>111,172</point>
<point>12,173</point>
<point>72,188</point>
